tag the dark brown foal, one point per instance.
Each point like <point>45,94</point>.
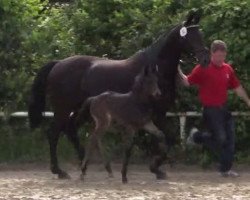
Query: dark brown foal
<point>131,110</point>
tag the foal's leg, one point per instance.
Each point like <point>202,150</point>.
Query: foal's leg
<point>73,137</point>
<point>53,136</point>
<point>101,122</point>
<point>105,157</point>
<point>158,160</point>
<point>92,143</point>
<point>128,139</point>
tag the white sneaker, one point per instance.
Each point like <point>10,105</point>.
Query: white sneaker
<point>229,173</point>
<point>190,138</point>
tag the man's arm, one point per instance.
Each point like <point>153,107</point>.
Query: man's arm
<point>183,77</point>
<point>241,92</point>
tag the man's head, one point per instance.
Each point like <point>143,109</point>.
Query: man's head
<point>218,52</point>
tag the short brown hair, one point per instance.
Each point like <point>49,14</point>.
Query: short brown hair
<point>218,45</point>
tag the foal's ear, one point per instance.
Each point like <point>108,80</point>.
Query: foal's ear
<point>154,68</point>
<point>146,70</point>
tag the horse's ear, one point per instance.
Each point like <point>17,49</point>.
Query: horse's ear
<point>193,17</point>
<point>155,68</point>
<point>190,17</point>
<point>197,16</point>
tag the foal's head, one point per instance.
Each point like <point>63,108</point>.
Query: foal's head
<point>146,83</point>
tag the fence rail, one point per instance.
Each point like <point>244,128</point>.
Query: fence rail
<point>182,117</point>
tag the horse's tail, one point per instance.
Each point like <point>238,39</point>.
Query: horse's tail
<point>38,94</point>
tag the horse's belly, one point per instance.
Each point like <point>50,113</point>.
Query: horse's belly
<point>132,117</point>
<point>99,86</point>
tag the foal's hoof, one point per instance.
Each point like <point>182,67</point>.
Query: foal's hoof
<point>82,177</point>
<point>64,175</point>
<point>161,176</point>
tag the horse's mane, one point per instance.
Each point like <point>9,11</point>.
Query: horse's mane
<point>151,52</point>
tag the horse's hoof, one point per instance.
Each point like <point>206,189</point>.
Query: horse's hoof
<point>153,169</point>
<point>124,180</point>
<point>64,175</point>
<point>82,177</point>
<point>161,176</point>
<point>111,175</point>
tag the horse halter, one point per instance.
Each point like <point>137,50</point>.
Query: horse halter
<point>184,29</point>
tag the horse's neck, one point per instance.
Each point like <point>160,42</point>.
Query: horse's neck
<point>165,52</point>
<point>137,62</point>
<point>169,55</point>
<point>140,98</point>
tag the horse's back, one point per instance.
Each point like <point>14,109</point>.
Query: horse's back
<point>64,80</point>
<point>112,75</point>
<point>75,78</point>
<point>72,65</point>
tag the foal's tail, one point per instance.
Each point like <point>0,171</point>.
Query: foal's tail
<point>84,112</point>
<point>38,93</point>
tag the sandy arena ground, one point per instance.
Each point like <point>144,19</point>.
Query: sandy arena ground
<point>33,182</point>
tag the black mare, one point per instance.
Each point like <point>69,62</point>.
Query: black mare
<point>69,82</point>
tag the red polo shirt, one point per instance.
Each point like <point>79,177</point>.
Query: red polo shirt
<point>213,83</point>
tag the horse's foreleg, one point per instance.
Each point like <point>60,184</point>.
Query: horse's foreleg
<point>159,159</point>
<point>128,139</point>
<point>163,124</point>
<point>53,137</point>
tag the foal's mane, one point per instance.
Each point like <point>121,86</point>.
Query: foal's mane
<point>138,81</point>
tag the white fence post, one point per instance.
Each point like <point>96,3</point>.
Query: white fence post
<point>182,119</point>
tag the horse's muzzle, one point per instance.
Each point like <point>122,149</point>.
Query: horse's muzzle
<point>203,57</point>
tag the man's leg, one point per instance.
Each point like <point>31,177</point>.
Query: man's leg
<point>220,138</point>
<point>227,153</point>
<point>214,121</point>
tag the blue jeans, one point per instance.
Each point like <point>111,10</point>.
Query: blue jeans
<point>220,137</point>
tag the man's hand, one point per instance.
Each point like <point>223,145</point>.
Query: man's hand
<point>183,77</point>
<point>248,103</point>
<point>240,91</point>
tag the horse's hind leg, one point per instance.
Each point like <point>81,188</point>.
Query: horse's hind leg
<point>73,137</point>
<point>53,136</point>
<point>128,139</point>
<point>159,159</point>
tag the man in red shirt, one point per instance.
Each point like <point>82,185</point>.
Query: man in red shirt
<point>213,83</point>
